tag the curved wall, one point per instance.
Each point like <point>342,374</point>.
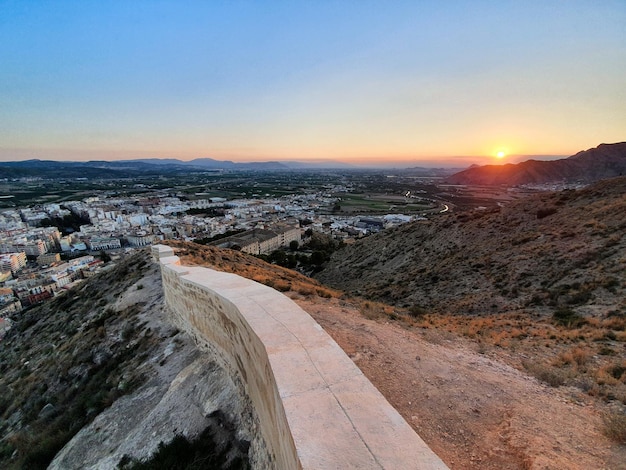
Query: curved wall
<point>315,408</point>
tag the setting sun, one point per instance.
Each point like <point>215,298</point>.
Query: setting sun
<point>500,154</point>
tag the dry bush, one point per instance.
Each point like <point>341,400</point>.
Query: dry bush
<point>553,376</point>
<point>306,291</point>
<point>325,293</point>
<point>376,310</point>
<point>611,373</point>
<point>575,357</point>
<point>282,286</point>
<point>501,338</point>
<point>617,370</point>
<point>617,323</point>
<point>615,426</point>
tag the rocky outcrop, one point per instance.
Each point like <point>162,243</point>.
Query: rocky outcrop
<point>184,393</point>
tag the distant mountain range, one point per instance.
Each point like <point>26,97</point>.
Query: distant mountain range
<point>210,163</point>
<point>170,166</point>
<point>603,161</point>
<point>144,167</point>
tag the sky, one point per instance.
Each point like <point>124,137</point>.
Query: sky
<point>361,81</point>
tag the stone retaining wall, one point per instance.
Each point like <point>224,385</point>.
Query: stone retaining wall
<point>314,409</point>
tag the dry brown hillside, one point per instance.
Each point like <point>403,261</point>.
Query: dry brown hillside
<point>462,382</point>
<point>85,379</point>
<point>543,278</point>
<point>553,250</point>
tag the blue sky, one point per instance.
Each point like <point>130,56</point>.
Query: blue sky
<point>360,81</point>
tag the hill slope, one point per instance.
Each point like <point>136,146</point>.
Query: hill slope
<point>474,410</point>
<point>547,251</point>
<point>65,363</point>
<point>604,161</point>
<point>92,373</point>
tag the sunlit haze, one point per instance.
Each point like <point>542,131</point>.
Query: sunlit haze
<point>450,83</point>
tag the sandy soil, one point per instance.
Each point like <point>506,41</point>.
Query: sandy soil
<point>474,410</point>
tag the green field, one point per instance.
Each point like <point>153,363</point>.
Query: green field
<point>380,204</point>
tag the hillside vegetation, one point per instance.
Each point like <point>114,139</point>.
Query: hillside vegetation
<point>438,308</point>
<point>544,276</point>
<point>72,361</point>
<point>278,277</point>
<point>552,250</point>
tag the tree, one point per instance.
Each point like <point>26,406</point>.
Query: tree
<point>318,257</point>
<point>294,245</point>
<point>292,262</point>
<point>279,257</point>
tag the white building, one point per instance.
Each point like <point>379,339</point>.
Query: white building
<point>104,243</point>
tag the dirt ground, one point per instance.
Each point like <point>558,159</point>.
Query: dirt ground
<point>473,410</point>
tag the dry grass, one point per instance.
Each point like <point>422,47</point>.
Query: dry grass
<point>377,310</point>
<point>590,356</point>
<point>615,426</point>
<point>280,278</point>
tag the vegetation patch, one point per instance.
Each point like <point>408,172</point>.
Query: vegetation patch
<point>265,272</point>
<point>203,452</point>
<point>615,426</point>
<point>67,360</point>
<point>550,375</point>
<point>568,318</point>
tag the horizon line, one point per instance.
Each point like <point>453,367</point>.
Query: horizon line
<point>459,161</point>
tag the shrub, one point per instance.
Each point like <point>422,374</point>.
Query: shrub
<point>306,291</point>
<point>617,371</point>
<point>580,297</point>
<point>200,453</point>
<point>416,311</point>
<point>550,375</point>
<point>324,293</point>
<point>568,318</point>
<point>607,351</point>
<point>615,426</point>
<point>282,286</point>
<point>545,212</point>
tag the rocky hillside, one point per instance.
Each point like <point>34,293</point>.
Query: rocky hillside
<point>98,377</point>
<point>550,251</point>
<point>604,161</point>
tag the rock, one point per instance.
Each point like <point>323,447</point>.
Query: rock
<point>47,410</point>
<point>100,355</point>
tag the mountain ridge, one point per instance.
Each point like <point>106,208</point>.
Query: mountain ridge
<point>587,166</point>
